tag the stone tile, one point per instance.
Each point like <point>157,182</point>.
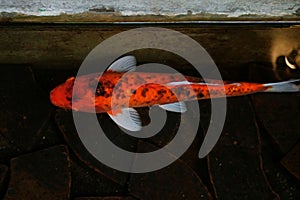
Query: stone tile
<point>105,198</point>
<point>3,179</point>
<point>88,182</point>
<point>291,161</point>
<point>43,174</point>
<point>24,111</point>
<point>188,122</point>
<point>176,181</point>
<point>282,182</point>
<point>64,120</point>
<point>278,114</point>
<point>235,164</point>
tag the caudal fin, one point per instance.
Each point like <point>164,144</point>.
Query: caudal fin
<point>284,86</point>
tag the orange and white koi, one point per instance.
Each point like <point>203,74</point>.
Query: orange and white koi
<point>128,89</point>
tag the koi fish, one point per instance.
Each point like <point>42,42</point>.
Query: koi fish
<point>128,90</point>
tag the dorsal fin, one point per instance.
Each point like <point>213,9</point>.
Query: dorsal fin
<point>124,64</point>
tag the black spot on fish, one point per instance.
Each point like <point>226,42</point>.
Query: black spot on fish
<point>68,98</point>
<point>69,89</point>
<point>133,91</point>
<point>144,92</point>
<point>100,91</point>
<point>109,84</point>
<point>92,79</point>
<point>172,77</point>
<point>187,93</point>
<point>200,95</point>
<point>120,91</point>
<point>92,83</point>
<point>161,91</point>
<point>106,95</point>
<point>215,92</point>
<point>125,79</point>
<point>139,80</point>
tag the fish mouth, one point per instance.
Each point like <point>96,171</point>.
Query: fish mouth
<point>58,97</point>
<point>54,96</point>
<point>61,96</point>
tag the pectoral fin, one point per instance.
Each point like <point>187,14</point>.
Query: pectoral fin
<point>127,118</point>
<point>124,64</point>
<point>178,107</point>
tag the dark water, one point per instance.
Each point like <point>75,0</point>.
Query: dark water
<point>260,130</point>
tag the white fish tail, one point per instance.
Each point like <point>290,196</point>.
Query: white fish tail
<point>284,86</point>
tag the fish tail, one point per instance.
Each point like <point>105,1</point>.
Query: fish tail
<point>284,86</point>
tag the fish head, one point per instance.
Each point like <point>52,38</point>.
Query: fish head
<point>61,96</point>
